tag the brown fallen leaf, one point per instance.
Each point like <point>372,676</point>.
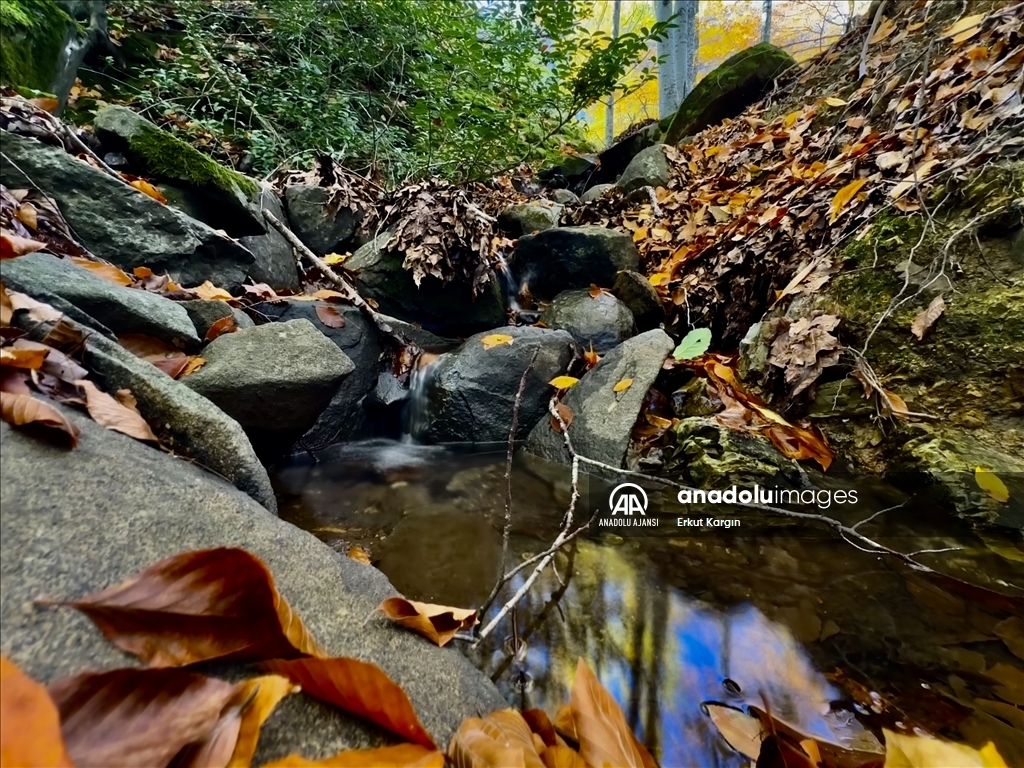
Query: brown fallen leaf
<point>359,688</point>
<point>400,756</point>
<point>330,316</point>
<point>565,412</point>
<point>111,414</point>
<point>926,317</point>
<point>210,292</point>
<point>503,738</point>
<point>220,327</point>
<point>142,272</point>
<point>174,367</point>
<point>26,411</point>
<point>45,103</point>
<point>740,731</point>
<point>561,756</point>
<point>605,738</point>
<point>6,307</point>
<point>127,399</point>
<point>195,606</point>
<point>31,359</point>
<point>167,358</point>
<point>590,357</point>
<point>136,717</point>
<point>102,269</point>
<point>360,555</point>
<point>12,245</point>
<point>540,724</point>
<point>437,623</point>
<point>56,363</point>
<point>194,364</point>
<point>37,310</point>
<point>28,215</point>
<point>31,725</point>
<point>258,697</point>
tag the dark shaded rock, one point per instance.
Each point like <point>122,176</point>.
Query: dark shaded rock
<point>615,159</point>
<point>121,224</point>
<point>734,85</point>
<point>595,192</point>
<point>79,521</point>
<point>692,399</point>
<point>320,228</point>
<point>637,293</point>
<point>563,196</point>
<point>274,260</point>
<point>602,418</point>
<point>438,306</point>
<point>206,313</point>
<point>274,380</point>
<point>472,391</point>
<point>122,310</point>
<point>420,337</point>
<point>601,321</point>
<point>522,219</point>
<point>575,172</point>
<point>573,257</point>
<point>648,169</point>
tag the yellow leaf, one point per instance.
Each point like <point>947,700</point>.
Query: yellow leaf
<point>833,101</point>
<point>496,340</point>
<point>640,234</point>
<point>965,24</point>
<point>102,269</point>
<point>148,189</point>
<point>990,483</point>
<point>659,278</point>
<point>210,292</point>
<point>564,382</point>
<point>333,259</point>
<point>884,30</point>
<point>844,196</point>
<point>623,385</point>
<point>925,752</point>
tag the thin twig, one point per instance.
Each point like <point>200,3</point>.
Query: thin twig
<point>863,71</point>
<point>506,531</point>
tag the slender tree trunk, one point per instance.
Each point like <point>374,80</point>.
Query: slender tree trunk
<point>687,48</point>
<point>609,115</point>
<point>666,61</point>
<point>766,27</point>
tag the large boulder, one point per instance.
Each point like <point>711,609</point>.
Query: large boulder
<point>204,313</point>
<point>648,169</point>
<point>730,88</point>
<point>595,192</point>
<point>574,172</point>
<point>636,292</point>
<point>472,391</point>
<point>121,224</point>
<point>274,256</point>
<point>603,419</point>
<point>122,310</point>
<point>322,228</point>
<point>438,306</point>
<point>708,455</point>
<point>225,196</point>
<point>600,322</point>
<point>573,257</point>
<point>615,159</point>
<point>79,521</point>
<point>274,380</point>
<point>526,218</point>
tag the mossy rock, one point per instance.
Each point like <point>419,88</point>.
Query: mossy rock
<point>732,87</point>
<point>710,455</point>
<point>34,34</point>
<point>226,195</point>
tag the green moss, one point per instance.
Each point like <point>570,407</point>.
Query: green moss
<point>32,37</point>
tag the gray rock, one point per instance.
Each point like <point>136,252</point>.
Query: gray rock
<point>322,231</point>
<point>525,218</point>
<point>274,380</point>
<point>205,313</point>
<point>121,224</point>
<point>122,310</point>
<point>573,257</point>
<point>79,521</point>
<point>637,293</point>
<point>615,159</point>
<point>602,418</point>
<point>716,456</point>
<point>422,338</point>
<point>600,321</point>
<point>274,262</point>
<point>472,392</point>
<point>648,169</point>
<point>223,195</point>
<point>564,196</point>
<point>595,192</point>
<point>440,307</point>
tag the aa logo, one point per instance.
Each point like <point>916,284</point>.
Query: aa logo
<point>629,499</point>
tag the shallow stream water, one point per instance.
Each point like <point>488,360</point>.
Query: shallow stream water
<point>834,640</point>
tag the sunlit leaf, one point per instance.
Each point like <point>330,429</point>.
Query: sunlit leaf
<point>108,412</point>
<point>834,101</point>
<point>966,24</point>
<point>659,278</point>
<point>23,410</point>
<point>333,259</point>
<point>604,736</point>
<point>30,735</point>
<point>437,623</point>
<point>12,245</point>
<point>844,196</point>
<point>31,359</point>
<point>503,738</point>
<point>928,752</point>
<point>990,483</point>
<point>102,269</point>
<point>564,382</point>
<point>693,345</point>
<point>148,189</point>
<point>622,385</point>
<point>209,292</point>
<point>496,340</point>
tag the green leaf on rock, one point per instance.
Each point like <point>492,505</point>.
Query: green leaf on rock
<point>694,344</point>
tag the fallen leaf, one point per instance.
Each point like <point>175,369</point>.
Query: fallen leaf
<point>135,717</point>
<point>261,291</point>
<point>565,412</point>
<point>330,316</point>
<point>604,736</point>
<point>326,294</point>
<point>142,272</point>
<point>195,606</point>
<point>26,411</point>
<point>258,698</point>
<point>844,196</point>
<point>31,725</point>
<point>594,291</point>
<point>659,278</point>
<point>109,413</point>
<point>503,738</point>
<point>127,399</point>
<point>37,310</point>
<point>167,358</point>
<point>12,245</point>
<point>148,189</point>
<point>400,756</point>
<point>833,101</point>
<point>888,160</point>
<point>622,385</point>
<point>30,359</point>
<point>45,103</point>
<point>6,307</point>
<point>801,444</point>
<point>437,623</point>
<point>693,345</point>
<point>740,731</point>
<point>174,367</point>
<point>210,292</point>
<point>883,31</point>
<point>928,752</point>
<point>360,555</point>
<point>194,364</point>
<point>990,483</point>
<point>564,382</point>
<point>966,24</point>
<point>561,756</point>
<point>590,357</point>
<point>28,215</point>
<point>926,318</point>
<point>358,688</point>
<point>1011,632</point>
<point>219,328</point>
<point>102,269</point>
<point>333,259</point>
<point>540,724</point>
<point>496,340</point>
<point>896,404</point>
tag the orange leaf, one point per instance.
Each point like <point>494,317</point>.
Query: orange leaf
<point>437,623</point>
<point>561,756</point>
<point>142,272</point>
<point>30,358</point>
<point>12,245</point>
<point>565,412</point>
<point>108,412</point>
<point>799,444</point>
<point>330,316</point>
<point>360,555</point>
<point>358,688</point>
<point>148,189</point>
<point>31,726</point>
<point>195,606</point>
<point>102,269</point>
<point>594,291</point>
<point>604,736</point>
<point>26,411</point>
<point>193,364</point>
<point>258,697</point>
<point>400,756</point>
<point>6,307</point>
<point>220,327</point>
<point>501,739</point>
<point>622,385</point>
<point>210,292</point>
<point>844,196</point>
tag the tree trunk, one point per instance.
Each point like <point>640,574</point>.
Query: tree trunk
<point>766,27</point>
<point>609,115</point>
<point>686,62</point>
<point>666,62</point>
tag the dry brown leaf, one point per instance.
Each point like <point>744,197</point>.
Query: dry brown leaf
<point>167,358</point>
<point>209,292</point>
<point>195,606</point>
<point>540,724</point>
<point>326,294</point>
<point>108,412</point>
<point>220,327</point>
<point>6,307</point>
<point>12,245</point>
<point>561,756</point>
<point>565,412</point>
<point>590,357</point>
<point>400,756</point>
<point>740,731</point>
<point>360,555</point>
<point>437,623</point>
<point>330,316</point>
<point>26,411</point>
<point>136,717</point>
<point>31,359</point>
<point>30,735</point>
<point>102,269</point>
<point>843,198</point>
<point>37,310</point>
<point>174,367</point>
<point>926,317</point>
<point>193,364</point>
<point>604,736</point>
<point>28,215</point>
<point>127,399</point>
<point>359,688</point>
<point>142,272</point>
<point>886,28</point>
<point>502,739</point>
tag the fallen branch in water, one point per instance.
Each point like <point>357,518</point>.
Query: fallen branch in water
<point>507,529</point>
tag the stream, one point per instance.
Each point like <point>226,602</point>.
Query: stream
<point>832,638</point>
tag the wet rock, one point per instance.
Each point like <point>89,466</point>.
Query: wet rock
<point>692,399</point>
<point>648,169</point>
<point>595,192</point>
<point>637,293</point>
<point>564,196</point>
<point>420,337</point>
<point>205,313</point>
<point>122,225</point>
<point>601,321</point>
<point>711,455</point>
<point>274,260</point>
<point>841,399</point>
<point>438,306</point>
<point>132,505</point>
<point>755,347</point>
<point>602,418</point>
<point>525,218</point>
<point>274,380</point>
<point>472,391</point>
<point>322,230</point>
<point>573,257</point>
<point>122,310</point>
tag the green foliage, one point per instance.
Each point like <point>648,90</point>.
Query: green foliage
<point>400,88</point>
<point>693,345</point>
<point>33,33</point>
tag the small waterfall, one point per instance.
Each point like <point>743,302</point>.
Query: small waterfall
<point>510,284</point>
<point>416,416</point>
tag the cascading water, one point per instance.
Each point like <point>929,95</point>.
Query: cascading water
<point>510,284</point>
<point>416,416</point>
